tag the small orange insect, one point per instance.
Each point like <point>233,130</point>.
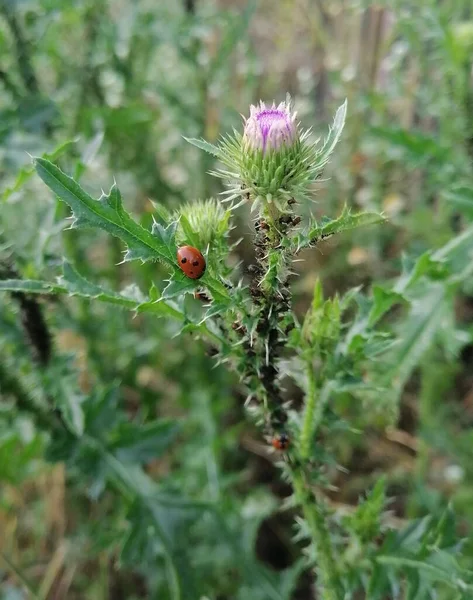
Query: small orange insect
<point>281,441</point>
<point>191,262</point>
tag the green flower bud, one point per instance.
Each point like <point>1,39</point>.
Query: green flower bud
<point>206,220</point>
<point>274,160</point>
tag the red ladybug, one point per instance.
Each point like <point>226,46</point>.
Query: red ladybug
<point>281,441</point>
<point>191,262</point>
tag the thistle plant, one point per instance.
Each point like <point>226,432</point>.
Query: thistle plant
<point>248,322</point>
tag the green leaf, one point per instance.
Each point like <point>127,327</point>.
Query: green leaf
<point>462,198</point>
<point>335,131</point>
<point>179,284</point>
<point>383,300</point>
<point>425,265</point>
<point>458,252</point>
<point>216,288</point>
<point>203,145</point>
<point>365,521</point>
<point>131,298</point>
<point>108,214</point>
<point>31,286</point>
<point>136,443</point>
<point>189,233</point>
<point>61,385</point>
<point>416,334</point>
<point>344,222</point>
<point>167,238</point>
<point>74,284</point>
<point>441,566</point>
<point>70,406</point>
<point>17,453</point>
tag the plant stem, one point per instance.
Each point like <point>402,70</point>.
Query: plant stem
<point>316,401</point>
<point>307,430</point>
<point>314,515</point>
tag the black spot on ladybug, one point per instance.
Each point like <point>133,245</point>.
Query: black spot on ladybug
<point>183,261</point>
<point>195,263</point>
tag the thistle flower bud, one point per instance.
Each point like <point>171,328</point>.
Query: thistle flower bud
<point>273,161</point>
<point>271,128</point>
<point>205,223</point>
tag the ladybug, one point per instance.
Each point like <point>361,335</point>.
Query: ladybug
<point>281,441</point>
<point>191,262</point>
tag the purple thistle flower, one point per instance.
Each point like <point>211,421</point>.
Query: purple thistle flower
<point>270,128</point>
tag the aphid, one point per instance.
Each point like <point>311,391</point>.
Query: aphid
<point>191,261</point>
<point>239,327</point>
<point>285,219</point>
<point>202,296</point>
<point>281,441</point>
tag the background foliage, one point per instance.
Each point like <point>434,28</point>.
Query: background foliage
<point>164,479</point>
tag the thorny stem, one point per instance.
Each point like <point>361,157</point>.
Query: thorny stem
<point>314,514</point>
<point>271,295</point>
<point>312,509</point>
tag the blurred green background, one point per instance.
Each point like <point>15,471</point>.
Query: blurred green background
<point>108,88</point>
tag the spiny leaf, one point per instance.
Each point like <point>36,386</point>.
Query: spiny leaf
<point>347,220</point>
<point>383,300</point>
<point>203,145</point>
<point>424,265</point>
<point>179,284</point>
<point>216,288</point>
<point>417,334</point>
<point>108,214</point>
<point>440,566</point>
<point>333,136</point>
<point>167,237</point>
<point>74,284</point>
<point>31,286</point>
<point>365,521</point>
